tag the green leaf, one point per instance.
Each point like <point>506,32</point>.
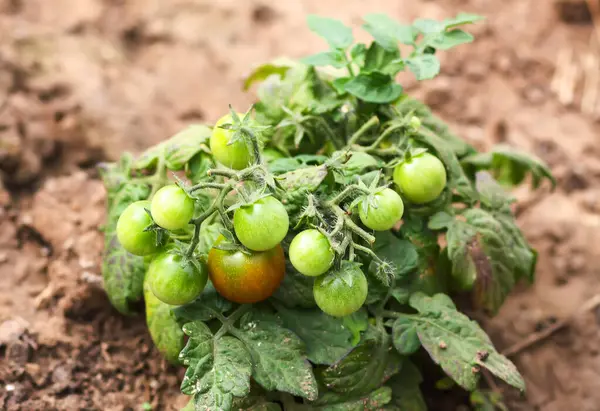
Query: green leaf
<point>263,71</point>
<point>255,402</point>
<point>364,368</point>
<point>164,329</point>
<point>510,166</point>
<point>407,395</point>
<point>303,179</point>
<point>404,336</point>
<point>338,35</point>
<point>204,307</point>
<point>401,253</point>
<point>424,66</point>
<point>358,164</point>
<point>372,401</point>
<point>487,401</point>
<point>123,272</point>
<point>196,169</point>
<point>177,150</point>
<point>218,370</point>
<point>358,53</point>
<point>209,232</point>
<point>440,221</point>
<point>279,357</point>
<point>326,338</point>
<point>491,194</point>
<point>462,18</point>
<point>382,60</point>
<point>123,275</point>
<point>428,26</point>
<point>296,290</point>
<point>356,323</point>
<point>458,344</point>
<point>388,32</point>
<point>434,125</point>
<point>180,148</point>
<point>283,165</point>
<point>339,84</point>
<point>335,58</point>
<point>374,87</point>
<point>448,39</point>
<point>489,249</point>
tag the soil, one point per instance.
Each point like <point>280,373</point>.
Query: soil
<point>82,81</point>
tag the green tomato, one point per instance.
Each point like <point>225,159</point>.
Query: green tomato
<point>341,292</point>
<point>174,282</point>
<point>172,208</point>
<point>383,211</point>
<point>421,179</point>
<point>271,154</point>
<point>310,253</point>
<point>236,155</point>
<point>261,225</point>
<point>130,229</point>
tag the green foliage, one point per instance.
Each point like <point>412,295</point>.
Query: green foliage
<point>164,329</point>
<point>123,272</point>
<point>510,166</point>
<point>340,123</point>
<point>456,343</point>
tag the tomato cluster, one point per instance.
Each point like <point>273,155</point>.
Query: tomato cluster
<point>248,264</point>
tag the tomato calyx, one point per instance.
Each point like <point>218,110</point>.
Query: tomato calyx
<point>246,130</point>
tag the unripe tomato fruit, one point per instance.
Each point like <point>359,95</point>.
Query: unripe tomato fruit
<point>342,292</point>
<point>261,225</point>
<point>172,208</point>
<point>310,253</point>
<point>236,155</point>
<point>385,213</point>
<point>130,229</point>
<point>246,278</point>
<point>421,179</point>
<point>174,282</point>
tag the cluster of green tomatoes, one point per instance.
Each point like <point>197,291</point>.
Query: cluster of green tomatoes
<point>253,270</point>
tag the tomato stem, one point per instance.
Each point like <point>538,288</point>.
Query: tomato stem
<point>351,225</point>
<point>373,121</point>
<point>347,192</point>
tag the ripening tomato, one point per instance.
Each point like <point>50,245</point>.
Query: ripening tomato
<point>421,179</point>
<point>341,292</point>
<point>174,282</point>
<point>261,225</point>
<point>310,253</point>
<point>246,278</point>
<point>130,229</point>
<point>383,211</point>
<point>236,155</point>
<point>172,208</point>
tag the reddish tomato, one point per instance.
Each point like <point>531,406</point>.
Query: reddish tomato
<point>246,278</point>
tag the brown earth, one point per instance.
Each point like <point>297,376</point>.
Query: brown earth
<point>80,81</point>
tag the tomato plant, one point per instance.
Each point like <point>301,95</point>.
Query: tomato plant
<point>336,219</point>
